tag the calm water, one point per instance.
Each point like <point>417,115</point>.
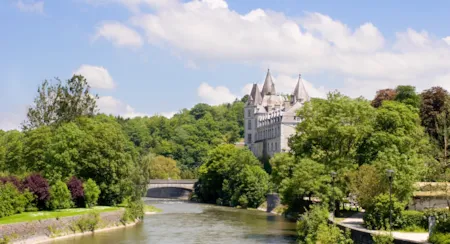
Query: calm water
<point>182,222</point>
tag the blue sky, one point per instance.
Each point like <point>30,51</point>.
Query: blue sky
<point>145,57</point>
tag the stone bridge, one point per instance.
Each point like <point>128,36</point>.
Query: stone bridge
<point>178,189</point>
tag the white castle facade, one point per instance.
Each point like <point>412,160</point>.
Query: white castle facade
<point>270,118</point>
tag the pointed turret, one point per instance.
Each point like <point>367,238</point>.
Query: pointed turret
<point>255,95</point>
<point>269,86</point>
<point>300,93</point>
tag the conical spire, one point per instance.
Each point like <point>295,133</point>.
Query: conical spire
<point>269,86</point>
<point>255,95</point>
<point>300,93</point>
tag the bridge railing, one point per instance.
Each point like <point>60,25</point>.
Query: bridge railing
<point>166,181</point>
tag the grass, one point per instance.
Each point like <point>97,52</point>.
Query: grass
<point>151,209</point>
<point>30,216</point>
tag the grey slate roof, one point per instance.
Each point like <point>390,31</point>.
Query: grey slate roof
<point>300,93</point>
<point>255,95</point>
<point>269,86</point>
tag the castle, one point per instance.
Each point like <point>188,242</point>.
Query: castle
<point>270,118</point>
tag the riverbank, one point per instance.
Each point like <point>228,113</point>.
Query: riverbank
<point>48,229</point>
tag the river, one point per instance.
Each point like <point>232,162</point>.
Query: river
<point>184,222</point>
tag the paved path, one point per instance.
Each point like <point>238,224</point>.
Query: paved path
<point>356,222</point>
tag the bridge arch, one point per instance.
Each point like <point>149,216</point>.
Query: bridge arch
<point>176,189</point>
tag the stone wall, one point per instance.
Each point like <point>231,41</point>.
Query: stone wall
<point>273,201</point>
<point>45,228</point>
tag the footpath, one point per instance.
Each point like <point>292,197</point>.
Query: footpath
<point>356,222</point>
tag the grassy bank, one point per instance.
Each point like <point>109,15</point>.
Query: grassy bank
<point>30,216</point>
<point>151,209</point>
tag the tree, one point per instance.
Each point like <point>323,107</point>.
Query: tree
<point>309,179</point>
<point>60,197</point>
<point>38,185</point>
<point>11,152</point>
<point>366,183</point>
<point>91,193</point>
<point>283,165</point>
<point>61,102</point>
<point>433,104</point>
<point>232,176</point>
<point>383,95</point>
<point>332,130</point>
<point>407,95</point>
<point>163,168</point>
<point>75,187</point>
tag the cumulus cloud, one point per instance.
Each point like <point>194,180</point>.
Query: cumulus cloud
<point>31,6</point>
<point>215,95</point>
<point>114,106</point>
<point>96,76</point>
<point>447,40</point>
<point>119,34</point>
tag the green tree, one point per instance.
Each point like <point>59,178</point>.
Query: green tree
<point>366,183</point>
<point>408,95</point>
<point>163,168</point>
<point>11,152</point>
<point>37,143</point>
<point>231,176</point>
<point>60,197</point>
<point>61,102</point>
<point>332,130</point>
<point>283,165</point>
<point>91,193</point>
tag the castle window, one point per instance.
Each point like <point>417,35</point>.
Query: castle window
<point>276,146</point>
<point>249,124</point>
<point>249,113</point>
<point>249,138</point>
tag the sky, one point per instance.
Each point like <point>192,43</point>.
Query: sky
<point>148,57</point>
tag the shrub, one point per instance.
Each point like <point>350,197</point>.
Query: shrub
<point>76,191</point>
<point>87,222</point>
<point>413,219</point>
<point>13,180</point>
<point>383,238</point>
<point>91,193</point>
<point>331,234</point>
<point>37,185</point>
<point>439,238</point>
<point>11,200</point>
<point>377,215</point>
<point>134,210</point>
<point>60,197</point>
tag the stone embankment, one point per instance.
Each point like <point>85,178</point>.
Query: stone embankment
<point>42,231</point>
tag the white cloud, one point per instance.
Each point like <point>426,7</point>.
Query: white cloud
<point>111,105</point>
<point>31,6</point>
<point>119,34</point>
<point>96,76</point>
<point>215,95</point>
<point>447,40</point>
<point>286,84</point>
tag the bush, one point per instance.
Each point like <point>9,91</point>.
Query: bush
<point>383,238</point>
<point>313,227</point>
<point>13,180</point>
<point>91,193</point>
<point>413,219</point>
<point>88,222</point>
<point>439,238</point>
<point>12,201</point>
<point>60,197</point>
<point>134,210</point>
<point>377,215</point>
<point>76,191</point>
<point>37,185</point>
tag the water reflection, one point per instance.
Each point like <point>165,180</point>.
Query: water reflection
<point>184,222</point>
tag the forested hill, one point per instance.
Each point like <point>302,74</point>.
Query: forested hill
<point>189,134</point>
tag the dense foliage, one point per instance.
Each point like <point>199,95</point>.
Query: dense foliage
<point>232,176</point>
<point>60,197</point>
<point>12,201</point>
<point>313,227</point>
<point>161,167</point>
<point>40,188</point>
<point>75,187</point>
<point>91,193</point>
